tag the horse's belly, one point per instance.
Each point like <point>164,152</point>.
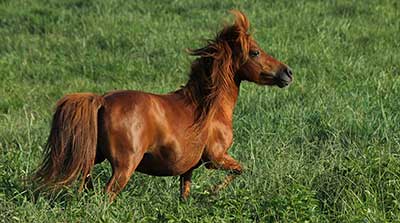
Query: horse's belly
<point>156,164</point>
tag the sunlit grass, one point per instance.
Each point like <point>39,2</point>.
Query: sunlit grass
<point>325,149</point>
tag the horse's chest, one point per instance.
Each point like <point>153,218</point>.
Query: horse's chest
<point>220,134</point>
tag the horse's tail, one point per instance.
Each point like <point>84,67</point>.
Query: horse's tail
<point>71,147</point>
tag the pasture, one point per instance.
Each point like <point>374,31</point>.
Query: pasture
<point>325,149</point>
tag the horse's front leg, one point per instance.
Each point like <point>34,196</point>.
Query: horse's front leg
<point>226,162</point>
<point>186,181</point>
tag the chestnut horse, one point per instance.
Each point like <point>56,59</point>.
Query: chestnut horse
<point>162,135</point>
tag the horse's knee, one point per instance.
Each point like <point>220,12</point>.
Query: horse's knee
<point>214,165</point>
<point>233,168</point>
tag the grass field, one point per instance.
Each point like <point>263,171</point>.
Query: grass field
<point>326,149</point>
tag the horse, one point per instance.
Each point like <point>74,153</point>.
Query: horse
<point>163,135</point>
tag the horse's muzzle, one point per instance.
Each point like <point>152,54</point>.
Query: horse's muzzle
<point>284,77</point>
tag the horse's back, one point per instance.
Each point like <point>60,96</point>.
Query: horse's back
<point>122,107</point>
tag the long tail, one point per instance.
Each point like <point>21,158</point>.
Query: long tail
<point>70,151</point>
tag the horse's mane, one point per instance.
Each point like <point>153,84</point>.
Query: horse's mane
<point>212,75</point>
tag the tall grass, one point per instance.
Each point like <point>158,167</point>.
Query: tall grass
<point>325,149</point>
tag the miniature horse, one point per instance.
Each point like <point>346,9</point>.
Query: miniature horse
<point>162,135</point>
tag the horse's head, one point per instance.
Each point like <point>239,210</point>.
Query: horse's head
<point>258,66</point>
<point>235,50</point>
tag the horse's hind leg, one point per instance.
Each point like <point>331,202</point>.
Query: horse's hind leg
<point>123,167</point>
<point>119,179</point>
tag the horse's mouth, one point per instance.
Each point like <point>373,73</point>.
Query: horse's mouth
<point>282,82</point>
<point>280,79</point>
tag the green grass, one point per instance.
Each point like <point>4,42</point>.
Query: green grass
<point>326,149</point>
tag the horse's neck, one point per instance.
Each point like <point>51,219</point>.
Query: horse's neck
<point>196,90</point>
<point>226,104</point>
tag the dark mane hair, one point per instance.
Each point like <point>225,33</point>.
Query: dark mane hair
<point>213,72</point>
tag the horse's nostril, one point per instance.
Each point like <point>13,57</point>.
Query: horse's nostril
<point>285,74</point>
<point>288,71</point>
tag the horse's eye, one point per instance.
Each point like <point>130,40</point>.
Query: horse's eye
<point>254,53</point>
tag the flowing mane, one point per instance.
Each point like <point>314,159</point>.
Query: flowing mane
<point>212,75</point>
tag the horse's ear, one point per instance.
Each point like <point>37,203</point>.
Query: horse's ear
<point>241,21</point>
<point>235,35</point>
<point>241,36</point>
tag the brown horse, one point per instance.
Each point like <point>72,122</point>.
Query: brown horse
<point>163,135</point>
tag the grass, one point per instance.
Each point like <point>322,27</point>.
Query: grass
<point>326,149</point>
